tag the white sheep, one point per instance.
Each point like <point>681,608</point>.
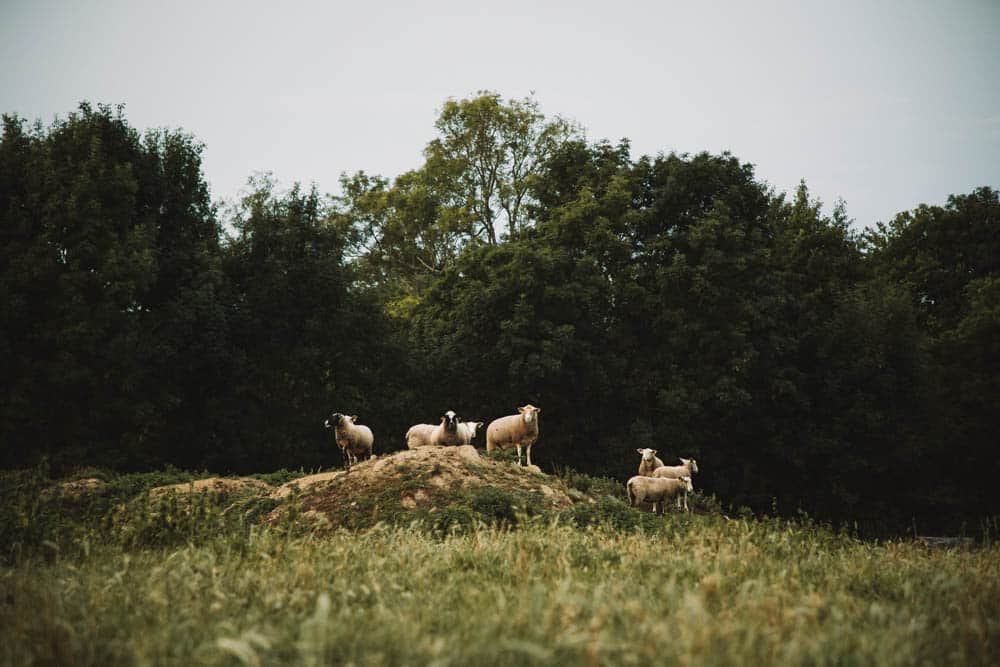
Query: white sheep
<point>353,439</point>
<point>448,432</point>
<point>520,430</point>
<point>688,468</point>
<point>419,435</point>
<point>468,430</point>
<point>656,490</point>
<point>649,462</point>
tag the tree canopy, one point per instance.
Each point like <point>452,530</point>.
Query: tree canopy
<point>672,301</point>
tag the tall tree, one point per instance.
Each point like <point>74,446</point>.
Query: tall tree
<point>486,158</point>
<point>112,242</point>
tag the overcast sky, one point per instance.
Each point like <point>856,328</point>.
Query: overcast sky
<point>884,107</point>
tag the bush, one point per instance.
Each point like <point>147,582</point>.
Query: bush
<point>494,505</point>
<point>595,487</point>
<point>612,512</point>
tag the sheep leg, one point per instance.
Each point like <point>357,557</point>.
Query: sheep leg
<point>518,453</point>
<point>529,456</point>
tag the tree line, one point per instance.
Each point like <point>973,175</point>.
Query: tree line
<point>673,301</point>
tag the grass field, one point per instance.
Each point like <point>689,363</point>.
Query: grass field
<point>628,590</point>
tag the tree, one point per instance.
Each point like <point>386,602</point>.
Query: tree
<point>111,255</point>
<point>487,157</point>
<point>947,259</point>
<point>398,237</point>
<point>306,340</point>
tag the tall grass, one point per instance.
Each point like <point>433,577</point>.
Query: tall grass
<point>684,590</point>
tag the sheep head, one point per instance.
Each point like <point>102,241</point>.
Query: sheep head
<point>688,486</point>
<point>333,420</point>
<point>529,412</point>
<point>647,454</point>
<point>450,421</point>
<point>691,463</point>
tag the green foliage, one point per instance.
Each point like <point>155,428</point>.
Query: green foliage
<point>732,592</point>
<point>279,477</point>
<point>109,257</point>
<point>674,302</point>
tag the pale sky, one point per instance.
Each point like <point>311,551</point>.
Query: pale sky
<point>885,105</point>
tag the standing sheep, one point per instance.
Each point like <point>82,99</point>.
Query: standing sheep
<point>520,430</point>
<point>353,439</point>
<point>450,431</point>
<point>649,462</point>
<point>656,490</point>
<point>688,468</point>
<point>468,430</point>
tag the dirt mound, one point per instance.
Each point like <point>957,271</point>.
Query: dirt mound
<point>229,487</point>
<point>76,492</point>
<point>303,483</point>
<point>427,479</point>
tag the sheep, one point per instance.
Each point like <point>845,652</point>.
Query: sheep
<point>353,439</point>
<point>649,462</point>
<point>469,431</point>
<point>448,431</point>
<point>656,490</point>
<point>520,430</point>
<point>419,435</point>
<point>688,468</point>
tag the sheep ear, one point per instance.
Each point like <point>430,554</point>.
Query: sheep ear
<point>655,451</point>
<point>639,450</point>
<point>480,424</point>
<point>354,418</point>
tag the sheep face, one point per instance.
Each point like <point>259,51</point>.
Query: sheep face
<point>692,462</point>
<point>530,413</point>
<point>450,421</point>
<point>647,454</point>
<point>333,421</point>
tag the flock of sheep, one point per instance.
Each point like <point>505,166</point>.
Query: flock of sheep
<point>655,483</point>
<point>513,431</point>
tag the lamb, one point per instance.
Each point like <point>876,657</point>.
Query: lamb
<point>656,490</point>
<point>449,432</point>
<point>649,463</point>
<point>688,468</point>
<point>520,430</point>
<point>353,439</point>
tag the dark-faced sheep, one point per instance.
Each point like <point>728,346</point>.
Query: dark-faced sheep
<point>450,431</point>
<point>353,439</point>
<point>520,431</point>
